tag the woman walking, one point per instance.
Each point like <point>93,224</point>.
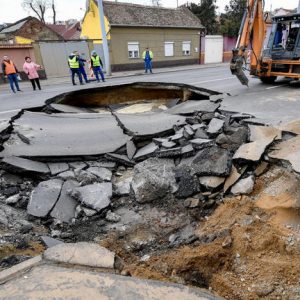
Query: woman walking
<point>30,68</point>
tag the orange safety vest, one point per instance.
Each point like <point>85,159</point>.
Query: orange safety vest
<point>9,67</point>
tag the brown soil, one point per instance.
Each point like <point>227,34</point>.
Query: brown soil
<point>255,252</point>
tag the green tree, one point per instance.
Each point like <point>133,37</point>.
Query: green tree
<point>230,21</point>
<point>206,12</point>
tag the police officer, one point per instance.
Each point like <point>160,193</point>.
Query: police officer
<point>73,62</point>
<point>97,66</point>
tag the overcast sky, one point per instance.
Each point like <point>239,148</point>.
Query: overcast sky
<point>11,10</point>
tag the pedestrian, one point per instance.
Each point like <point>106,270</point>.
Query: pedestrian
<point>97,66</point>
<point>10,70</point>
<point>74,68</point>
<point>81,66</point>
<point>30,68</point>
<point>147,57</point>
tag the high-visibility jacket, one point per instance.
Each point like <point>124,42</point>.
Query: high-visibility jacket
<point>9,67</point>
<point>150,54</point>
<point>74,63</point>
<point>96,61</point>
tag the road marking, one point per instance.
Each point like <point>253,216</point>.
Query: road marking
<point>219,79</point>
<point>276,86</point>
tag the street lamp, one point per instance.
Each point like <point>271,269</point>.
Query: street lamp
<point>104,38</point>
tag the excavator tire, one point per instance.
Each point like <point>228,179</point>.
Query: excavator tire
<point>268,80</point>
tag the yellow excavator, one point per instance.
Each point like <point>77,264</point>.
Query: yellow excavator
<point>281,54</point>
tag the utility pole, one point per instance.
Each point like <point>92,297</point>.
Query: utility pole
<point>104,38</point>
<point>298,10</point>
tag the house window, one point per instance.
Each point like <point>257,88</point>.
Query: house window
<point>133,50</point>
<point>186,48</point>
<point>169,48</point>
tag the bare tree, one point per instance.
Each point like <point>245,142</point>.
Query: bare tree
<point>39,7</point>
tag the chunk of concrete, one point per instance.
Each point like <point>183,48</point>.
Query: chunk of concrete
<point>201,143</point>
<point>211,182</point>
<point>288,151</point>
<point>77,135</point>
<point>67,175</point>
<point>201,134</point>
<point>215,126</point>
<point>102,173</point>
<point>64,209</point>
<point>149,124</point>
<point>188,184</point>
<point>78,165</point>
<point>122,184</point>
<point>211,161</point>
<point>187,150</point>
<point>153,179</point>
<point>23,165</point>
<point>146,151</point>
<point>243,186</point>
<point>82,253</point>
<point>131,149</point>
<point>192,106</point>
<point>50,242</point>
<point>12,199</point>
<point>44,197</point>
<point>96,196</point>
<point>56,168</point>
<point>252,152</point>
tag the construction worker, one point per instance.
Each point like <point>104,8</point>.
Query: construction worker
<point>97,65</point>
<point>10,70</point>
<point>73,62</point>
<point>81,66</point>
<point>147,57</point>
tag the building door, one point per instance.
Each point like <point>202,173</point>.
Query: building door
<point>55,56</point>
<point>213,49</point>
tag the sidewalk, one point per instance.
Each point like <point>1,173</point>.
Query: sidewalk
<point>66,79</point>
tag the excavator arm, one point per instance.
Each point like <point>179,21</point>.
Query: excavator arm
<point>251,37</point>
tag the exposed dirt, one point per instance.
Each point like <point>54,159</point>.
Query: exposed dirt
<point>247,249</point>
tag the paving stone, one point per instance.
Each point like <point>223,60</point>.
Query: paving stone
<point>243,186</point>
<point>252,152</point>
<point>50,242</point>
<point>96,196</point>
<point>211,161</point>
<point>149,124</point>
<point>169,153</point>
<point>76,254</point>
<point>211,182</point>
<point>215,126</point>
<point>146,151</point>
<point>56,168</point>
<point>131,149</point>
<point>201,134</point>
<point>192,106</point>
<point>102,173</point>
<point>44,197</point>
<point>168,144</point>
<point>201,143</point>
<point>153,179</point>
<point>23,165</point>
<point>64,209</point>
<point>119,158</point>
<point>68,175</point>
<point>232,178</point>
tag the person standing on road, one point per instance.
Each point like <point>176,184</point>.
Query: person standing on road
<point>30,68</point>
<point>147,57</point>
<point>74,67</point>
<point>81,66</point>
<point>97,65</point>
<point>10,70</point>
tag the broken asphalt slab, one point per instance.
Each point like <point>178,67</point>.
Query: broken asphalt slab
<point>192,106</point>
<point>77,134</point>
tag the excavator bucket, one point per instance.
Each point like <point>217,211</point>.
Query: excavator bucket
<point>236,67</point>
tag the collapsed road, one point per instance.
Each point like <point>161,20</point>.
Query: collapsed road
<point>158,174</point>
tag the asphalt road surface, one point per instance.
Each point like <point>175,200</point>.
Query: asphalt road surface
<point>279,102</point>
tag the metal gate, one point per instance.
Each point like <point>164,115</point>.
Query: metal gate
<point>213,49</point>
<point>55,56</point>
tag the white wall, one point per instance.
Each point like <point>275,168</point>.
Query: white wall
<point>213,49</point>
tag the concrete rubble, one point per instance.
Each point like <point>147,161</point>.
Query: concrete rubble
<point>148,177</point>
